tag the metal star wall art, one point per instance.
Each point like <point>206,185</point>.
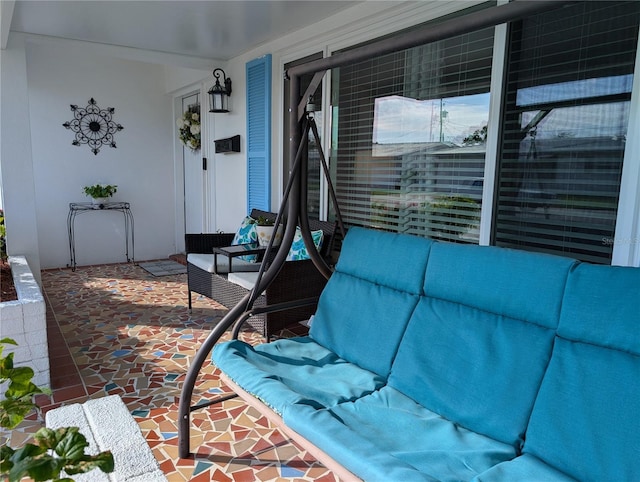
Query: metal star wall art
<point>93,126</point>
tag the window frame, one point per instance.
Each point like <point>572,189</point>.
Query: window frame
<point>626,251</point>
<point>626,239</point>
<point>628,211</point>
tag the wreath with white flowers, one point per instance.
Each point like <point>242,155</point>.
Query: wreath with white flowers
<point>189,129</point>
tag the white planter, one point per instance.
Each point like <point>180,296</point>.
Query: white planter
<point>99,200</point>
<point>266,232</point>
<point>24,320</point>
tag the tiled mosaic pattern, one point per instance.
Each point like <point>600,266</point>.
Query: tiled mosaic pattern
<point>130,333</point>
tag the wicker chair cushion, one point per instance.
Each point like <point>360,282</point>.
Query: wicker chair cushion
<point>206,262</point>
<point>245,279</point>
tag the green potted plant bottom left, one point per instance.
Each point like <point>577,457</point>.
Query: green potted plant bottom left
<point>54,453</point>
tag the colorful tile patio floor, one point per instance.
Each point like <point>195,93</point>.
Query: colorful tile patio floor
<point>116,329</point>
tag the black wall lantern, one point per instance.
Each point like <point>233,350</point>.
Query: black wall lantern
<point>218,94</point>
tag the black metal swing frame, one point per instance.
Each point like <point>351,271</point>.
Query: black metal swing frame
<point>295,197</point>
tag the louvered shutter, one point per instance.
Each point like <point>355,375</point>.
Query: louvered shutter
<point>259,133</point>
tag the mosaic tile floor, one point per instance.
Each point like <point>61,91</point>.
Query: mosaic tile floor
<point>117,329</point>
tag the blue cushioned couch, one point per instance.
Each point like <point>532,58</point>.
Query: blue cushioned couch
<point>453,362</point>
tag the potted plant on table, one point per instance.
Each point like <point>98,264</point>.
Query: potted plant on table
<point>265,228</point>
<point>100,193</point>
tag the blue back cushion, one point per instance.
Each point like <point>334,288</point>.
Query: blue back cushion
<point>364,309</point>
<point>395,261</point>
<point>477,346</point>
<point>509,282</point>
<point>586,419</point>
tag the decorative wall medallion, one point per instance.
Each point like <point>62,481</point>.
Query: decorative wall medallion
<point>93,126</point>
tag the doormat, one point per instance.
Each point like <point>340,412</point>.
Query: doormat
<point>163,268</point>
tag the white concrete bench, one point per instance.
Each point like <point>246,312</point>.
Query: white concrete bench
<point>108,425</point>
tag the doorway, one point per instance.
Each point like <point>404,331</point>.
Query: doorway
<point>194,176</point>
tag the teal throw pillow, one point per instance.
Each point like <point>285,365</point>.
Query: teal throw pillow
<point>247,234</point>
<point>298,250</point>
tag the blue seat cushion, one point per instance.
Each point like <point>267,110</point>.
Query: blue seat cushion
<point>585,421</point>
<point>525,468</point>
<point>294,370</point>
<point>478,369</point>
<point>387,436</point>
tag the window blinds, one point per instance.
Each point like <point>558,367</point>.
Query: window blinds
<point>408,133</point>
<point>567,104</point>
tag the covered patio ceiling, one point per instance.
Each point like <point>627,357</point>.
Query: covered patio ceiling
<point>218,29</point>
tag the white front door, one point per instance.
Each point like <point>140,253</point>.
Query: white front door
<point>194,180</point>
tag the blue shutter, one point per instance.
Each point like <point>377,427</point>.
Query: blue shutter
<point>259,133</point>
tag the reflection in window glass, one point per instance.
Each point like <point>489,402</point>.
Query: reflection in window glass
<point>566,117</point>
<point>402,119</point>
<point>409,134</point>
<point>574,90</point>
<point>582,121</point>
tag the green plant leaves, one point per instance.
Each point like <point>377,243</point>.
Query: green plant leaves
<point>6,364</point>
<point>103,461</point>
<point>13,411</point>
<point>99,190</point>
<point>5,458</point>
<point>32,461</point>
<point>68,442</point>
<point>264,221</point>
<point>69,445</point>
<point>18,400</point>
<point>54,450</point>
<point>39,468</point>
<point>37,461</point>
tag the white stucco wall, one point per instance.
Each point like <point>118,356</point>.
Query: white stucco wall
<point>361,23</point>
<point>230,170</point>
<point>48,75</point>
<point>18,190</point>
<point>141,165</point>
<point>43,172</point>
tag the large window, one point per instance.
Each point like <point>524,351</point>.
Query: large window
<point>409,133</point>
<point>408,140</point>
<point>568,94</point>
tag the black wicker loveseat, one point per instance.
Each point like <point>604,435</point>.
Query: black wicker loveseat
<point>296,280</point>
